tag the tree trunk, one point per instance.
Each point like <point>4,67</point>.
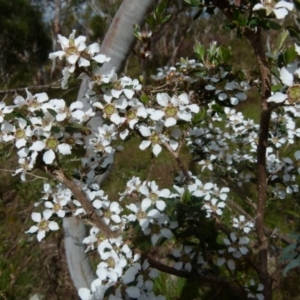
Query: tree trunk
<point>117,44</point>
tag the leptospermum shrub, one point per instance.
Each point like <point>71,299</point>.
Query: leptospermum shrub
<point>193,104</point>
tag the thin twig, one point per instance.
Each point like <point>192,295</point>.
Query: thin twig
<point>33,87</point>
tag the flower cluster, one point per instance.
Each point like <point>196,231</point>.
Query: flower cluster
<point>49,133</point>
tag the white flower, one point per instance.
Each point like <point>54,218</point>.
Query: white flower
<point>185,257</point>
<point>110,110</point>
<point>112,213</point>
<point>57,205</point>
<point>236,245</point>
<point>100,144</point>
<point>43,224</point>
<point>26,164</point>
<point>280,8</point>
<point>131,186</point>
<point>91,239</point>
<point>154,138</point>
<point>173,109</point>
<point>34,102</point>
<point>137,110</point>
<point>214,206</point>
<point>157,228</point>
<point>21,134</point>
<point>53,145</point>
<point>153,195</point>
<point>64,112</point>
<point>124,85</point>
<point>242,224</point>
<point>4,110</point>
<point>71,48</point>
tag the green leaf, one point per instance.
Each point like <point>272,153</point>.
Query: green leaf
<point>192,2</point>
<point>217,108</point>
<point>253,22</point>
<point>165,19</point>
<point>291,265</point>
<point>225,53</point>
<point>290,54</point>
<point>161,7</point>
<point>199,117</point>
<point>276,88</point>
<point>286,251</point>
<point>199,50</point>
<point>274,25</point>
<point>281,40</point>
<point>144,98</point>
<point>52,112</point>
<point>293,31</point>
<point>55,129</point>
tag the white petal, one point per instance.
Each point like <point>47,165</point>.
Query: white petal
<point>167,233</point>
<point>156,149</point>
<point>178,265</point>
<point>124,134</point>
<point>184,115</point>
<point>84,293</point>
<point>278,97</point>
<point>72,59</point>
<point>162,99</point>
<point>83,62</point>
<point>115,118</point>
<point>97,203</point>
<point>170,122</point>
<point>285,4</point>
<point>154,238</point>
<point>41,235</point>
<point>78,114</point>
<point>116,218</point>
<point>144,223</point>
<point>286,77</point>
<point>48,157</point>
<point>161,205</point>
<point>20,143</point>
<point>280,13</point>
<point>157,115</point>
<point>222,96</point>
<point>258,6</point>
<point>64,148</point>
<point>53,225</point>
<point>146,203</point>
<point>101,58</point>
<point>47,213</point>
<point>194,108</point>
<point>241,95</point>
<point>58,54</point>
<point>234,100</point>
<point>128,93</point>
<point>32,229</point>
<point>145,131</point>
<point>36,217</point>
<point>144,144</point>
<point>231,264</point>
<point>243,250</point>
<point>183,98</point>
<point>133,292</point>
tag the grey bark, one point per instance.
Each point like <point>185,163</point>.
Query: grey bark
<point>117,45</point>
